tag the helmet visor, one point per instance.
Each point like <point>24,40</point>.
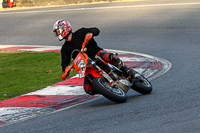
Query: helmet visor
<point>58,32</point>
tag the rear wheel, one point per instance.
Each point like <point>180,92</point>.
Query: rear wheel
<point>104,88</point>
<point>142,85</point>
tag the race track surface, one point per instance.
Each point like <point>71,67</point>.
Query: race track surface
<point>168,29</point>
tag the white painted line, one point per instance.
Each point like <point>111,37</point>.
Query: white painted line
<point>11,115</point>
<point>134,59</point>
<point>42,46</point>
<point>38,49</point>
<point>5,46</point>
<point>11,111</point>
<point>100,8</point>
<point>60,90</point>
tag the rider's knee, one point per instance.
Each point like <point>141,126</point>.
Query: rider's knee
<point>108,57</point>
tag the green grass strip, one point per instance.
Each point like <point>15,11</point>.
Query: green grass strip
<point>21,73</point>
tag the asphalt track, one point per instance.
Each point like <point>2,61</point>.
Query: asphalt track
<point>169,31</point>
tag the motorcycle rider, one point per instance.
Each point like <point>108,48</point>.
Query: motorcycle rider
<point>73,40</point>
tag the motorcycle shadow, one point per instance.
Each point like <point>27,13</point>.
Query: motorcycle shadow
<point>103,102</point>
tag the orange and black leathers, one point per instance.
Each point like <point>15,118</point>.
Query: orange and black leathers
<point>76,43</point>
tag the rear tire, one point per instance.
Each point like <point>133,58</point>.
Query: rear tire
<point>104,88</point>
<point>142,85</point>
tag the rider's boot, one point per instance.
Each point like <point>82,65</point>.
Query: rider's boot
<point>119,64</point>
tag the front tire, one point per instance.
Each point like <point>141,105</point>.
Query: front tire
<point>104,88</point>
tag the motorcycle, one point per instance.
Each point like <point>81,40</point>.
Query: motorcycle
<point>107,79</point>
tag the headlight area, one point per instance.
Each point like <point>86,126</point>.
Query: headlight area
<point>82,64</point>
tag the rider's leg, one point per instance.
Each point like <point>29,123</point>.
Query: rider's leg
<point>115,60</point>
<point>120,64</point>
<point>105,56</point>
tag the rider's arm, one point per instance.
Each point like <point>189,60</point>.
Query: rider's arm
<point>95,31</point>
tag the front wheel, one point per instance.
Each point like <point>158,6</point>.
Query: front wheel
<point>142,85</point>
<point>104,88</point>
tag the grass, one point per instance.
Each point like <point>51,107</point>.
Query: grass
<point>25,72</point>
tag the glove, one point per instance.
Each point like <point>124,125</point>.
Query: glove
<point>88,36</point>
<point>66,72</point>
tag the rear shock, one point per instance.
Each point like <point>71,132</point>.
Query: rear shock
<point>104,66</point>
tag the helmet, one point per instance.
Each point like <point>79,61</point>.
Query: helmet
<point>62,29</point>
